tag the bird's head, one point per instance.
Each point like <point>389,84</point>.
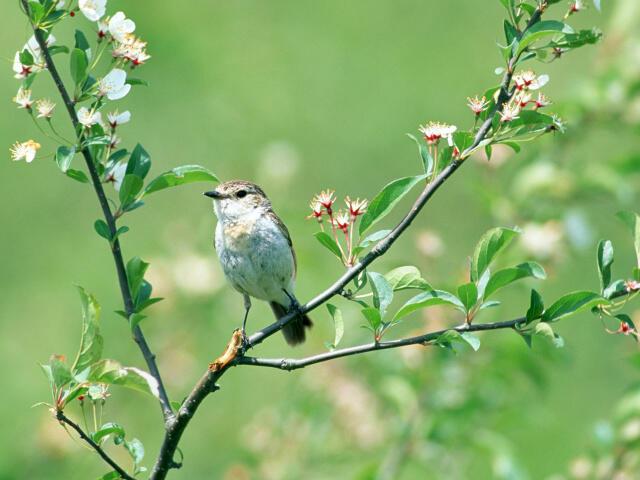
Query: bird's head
<point>234,199</point>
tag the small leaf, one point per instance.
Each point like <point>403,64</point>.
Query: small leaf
<point>425,156</point>
<point>131,186</point>
<point>504,277</point>
<point>373,317</point>
<point>77,175</point>
<point>102,229</point>
<point>338,324</point>
<point>536,306</point>
<point>91,343</point>
<point>136,269</point>
<point>135,319</point>
<point>136,450</point>
<point>468,294</point>
<point>405,278</point>
<point>605,259</point>
<point>540,30</point>
<point>55,49</point>
<point>59,372</point>
<point>81,42</point>
<point>471,339</point>
<point>64,156</point>
<point>544,329</point>
<point>113,373</point>
<point>180,176</point>
<point>490,244</point>
<point>139,162</point>
<point>79,65</point>
<point>572,303</point>
<point>384,201</point>
<point>382,292</point>
<point>375,237</point>
<point>329,243</point>
<point>428,299</point>
<point>137,81</point>
<point>106,430</point>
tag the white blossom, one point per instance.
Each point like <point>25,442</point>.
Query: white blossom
<point>116,118</point>
<point>434,131</point>
<point>94,10</point>
<point>117,175</point>
<point>45,108</point>
<point>120,26</point>
<point>24,151</point>
<point>23,98</point>
<point>114,85</point>
<point>88,117</point>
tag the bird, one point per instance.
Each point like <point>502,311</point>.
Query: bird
<point>256,253</point>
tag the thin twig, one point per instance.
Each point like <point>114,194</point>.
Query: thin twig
<point>62,418</point>
<point>148,355</point>
<point>295,364</point>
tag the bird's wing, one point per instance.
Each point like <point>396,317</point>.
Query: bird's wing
<point>283,228</point>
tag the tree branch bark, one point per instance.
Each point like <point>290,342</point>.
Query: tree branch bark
<point>62,418</point>
<point>295,364</point>
<point>116,251</point>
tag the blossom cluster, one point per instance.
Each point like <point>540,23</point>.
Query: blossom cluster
<point>343,220</point>
<point>115,32</point>
<point>525,83</point>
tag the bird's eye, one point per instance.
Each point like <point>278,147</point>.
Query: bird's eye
<point>241,194</point>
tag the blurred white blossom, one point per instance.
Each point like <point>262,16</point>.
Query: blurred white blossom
<point>114,85</point>
<point>94,10</point>
<point>120,26</point>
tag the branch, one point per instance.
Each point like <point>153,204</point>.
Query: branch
<point>148,355</point>
<point>62,418</point>
<point>295,364</point>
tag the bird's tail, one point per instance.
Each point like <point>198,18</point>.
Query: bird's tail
<point>294,331</point>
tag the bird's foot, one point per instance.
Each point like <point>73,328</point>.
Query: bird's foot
<point>294,305</point>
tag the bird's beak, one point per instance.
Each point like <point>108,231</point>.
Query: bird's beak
<point>213,194</point>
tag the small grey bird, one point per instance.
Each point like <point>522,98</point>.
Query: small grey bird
<point>256,253</point>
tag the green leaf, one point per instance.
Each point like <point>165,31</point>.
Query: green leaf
<point>36,11</point>
<point>137,81</point>
<point>26,58</point>
<point>384,202</point>
<point>111,476</point>
<point>79,65</point>
<point>490,244</point>
<point>135,319</point>
<point>55,49</point>
<point>536,306</point>
<point>106,430</point>
<point>102,229</point>
<point>96,140</point>
<point>136,269</point>
<point>82,43</point>
<point>64,156</point>
<point>77,175</point>
<point>382,292</point>
<point>504,277</point>
<point>59,373</point>
<point>338,324</point>
<point>425,156</point>
<point>91,343</point>
<point>406,278</point>
<point>136,450</point>
<point>139,162</point>
<point>180,176</point>
<point>428,299</point>
<point>572,303</point>
<point>544,329</point>
<point>328,242</point>
<point>131,186</point>
<point>448,338</point>
<point>541,30</point>
<point>468,294</point>
<point>111,372</point>
<point>632,220</point>
<point>605,259</point>
<point>373,317</point>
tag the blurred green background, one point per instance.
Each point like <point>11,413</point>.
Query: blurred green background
<point>300,96</point>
